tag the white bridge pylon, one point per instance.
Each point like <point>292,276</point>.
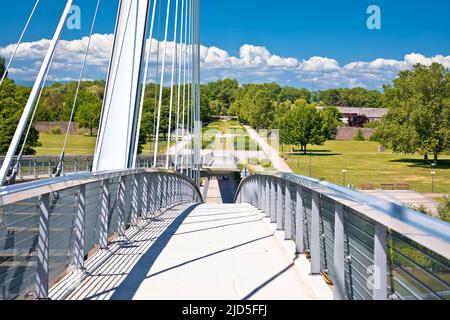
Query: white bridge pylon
<point>115,143</point>
<point>118,134</point>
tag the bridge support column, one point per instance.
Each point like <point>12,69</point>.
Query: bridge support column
<point>279,205</point>
<point>153,190</point>
<point>78,255</point>
<point>339,253</point>
<point>315,233</point>
<point>104,202</point>
<point>288,212</point>
<point>299,218</point>
<point>273,200</point>
<point>260,193</point>
<point>134,199</point>
<point>159,193</point>
<point>252,193</point>
<point>267,196</point>
<point>205,188</point>
<point>121,206</point>
<point>42,271</point>
<point>380,263</point>
<point>145,201</point>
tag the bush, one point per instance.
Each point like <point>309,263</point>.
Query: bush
<point>372,124</point>
<point>444,209</point>
<point>252,161</point>
<point>359,136</point>
<point>265,163</point>
<point>56,130</point>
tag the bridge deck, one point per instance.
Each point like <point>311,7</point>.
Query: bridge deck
<point>211,251</point>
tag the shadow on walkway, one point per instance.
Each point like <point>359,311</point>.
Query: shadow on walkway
<point>129,286</point>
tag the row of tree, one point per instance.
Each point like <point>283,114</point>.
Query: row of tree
<point>418,102</point>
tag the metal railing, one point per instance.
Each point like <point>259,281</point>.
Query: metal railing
<point>32,168</point>
<point>47,226</point>
<point>368,248</point>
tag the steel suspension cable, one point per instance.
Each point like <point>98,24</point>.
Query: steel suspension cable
<point>174,58</point>
<point>184,87</point>
<point>60,164</point>
<point>144,83</point>
<point>19,42</point>
<point>163,65</point>
<point>177,133</point>
<point>190,95</point>
<point>16,166</point>
<point>156,77</point>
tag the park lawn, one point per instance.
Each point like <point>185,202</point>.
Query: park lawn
<point>79,145</point>
<point>365,165</point>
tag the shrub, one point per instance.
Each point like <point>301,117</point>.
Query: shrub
<point>359,136</point>
<point>444,209</point>
<point>252,161</point>
<point>265,163</point>
<point>372,124</point>
<point>56,130</point>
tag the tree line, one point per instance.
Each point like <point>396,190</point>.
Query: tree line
<point>418,101</point>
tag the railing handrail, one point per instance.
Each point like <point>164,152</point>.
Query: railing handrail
<point>428,231</point>
<point>22,191</point>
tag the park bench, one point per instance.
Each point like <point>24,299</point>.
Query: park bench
<point>388,186</point>
<point>367,186</point>
<point>402,186</point>
<point>397,186</point>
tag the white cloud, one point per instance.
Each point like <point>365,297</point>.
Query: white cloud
<point>319,64</point>
<point>253,64</point>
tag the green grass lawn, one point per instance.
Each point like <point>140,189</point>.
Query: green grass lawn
<point>240,140</point>
<point>78,145</point>
<point>365,165</point>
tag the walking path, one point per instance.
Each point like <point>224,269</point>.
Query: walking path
<point>210,251</point>
<point>278,163</point>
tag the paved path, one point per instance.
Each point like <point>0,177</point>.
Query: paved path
<point>211,251</point>
<point>406,198</point>
<point>278,163</point>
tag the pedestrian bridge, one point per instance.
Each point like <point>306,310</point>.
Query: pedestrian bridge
<point>147,234</point>
<point>111,231</point>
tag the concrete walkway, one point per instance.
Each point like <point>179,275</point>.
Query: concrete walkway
<point>210,251</point>
<point>278,163</point>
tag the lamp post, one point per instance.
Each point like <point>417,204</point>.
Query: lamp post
<point>433,174</point>
<point>343,176</point>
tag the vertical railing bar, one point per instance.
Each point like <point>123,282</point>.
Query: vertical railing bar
<point>339,253</point>
<point>80,228</point>
<point>42,272</point>
<point>315,233</point>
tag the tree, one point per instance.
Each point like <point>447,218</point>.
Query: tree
<point>2,67</point>
<point>302,126</point>
<point>331,120</point>
<point>444,209</point>
<point>88,111</point>
<point>419,112</point>
<point>359,136</point>
<point>352,97</point>
<point>12,101</point>
<point>358,121</point>
<point>293,94</point>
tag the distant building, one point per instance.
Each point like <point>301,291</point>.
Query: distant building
<point>370,113</point>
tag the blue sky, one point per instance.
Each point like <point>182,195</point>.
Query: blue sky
<point>321,43</point>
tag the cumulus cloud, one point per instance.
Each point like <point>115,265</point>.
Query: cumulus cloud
<point>253,64</point>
